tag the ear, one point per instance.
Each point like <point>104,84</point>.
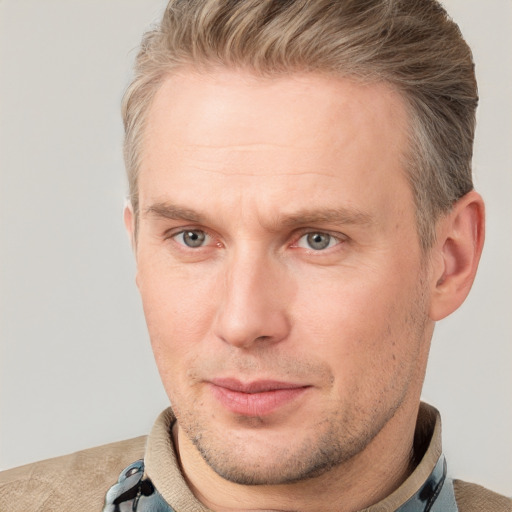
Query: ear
<point>460,239</point>
<point>129,222</point>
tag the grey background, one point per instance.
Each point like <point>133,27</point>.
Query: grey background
<point>76,368</point>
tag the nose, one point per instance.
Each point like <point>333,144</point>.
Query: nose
<point>253,306</point>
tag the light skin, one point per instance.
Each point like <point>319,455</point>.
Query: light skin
<point>289,304</point>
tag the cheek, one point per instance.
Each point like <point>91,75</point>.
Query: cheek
<point>178,307</point>
<point>369,327</point>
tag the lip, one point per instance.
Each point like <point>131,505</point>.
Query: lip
<point>257,398</point>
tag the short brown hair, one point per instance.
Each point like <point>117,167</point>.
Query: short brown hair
<point>411,44</point>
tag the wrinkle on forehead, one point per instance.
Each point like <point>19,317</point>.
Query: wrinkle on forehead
<point>234,147</point>
<point>231,173</point>
<point>251,160</point>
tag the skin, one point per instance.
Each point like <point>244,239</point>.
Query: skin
<point>250,167</point>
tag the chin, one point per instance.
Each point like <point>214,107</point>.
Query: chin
<point>265,458</point>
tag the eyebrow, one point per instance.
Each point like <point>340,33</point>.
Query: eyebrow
<point>341,216</point>
<point>173,212</point>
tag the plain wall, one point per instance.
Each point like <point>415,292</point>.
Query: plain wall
<point>76,368</point>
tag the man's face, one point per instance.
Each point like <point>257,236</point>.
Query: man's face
<point>280,269</point>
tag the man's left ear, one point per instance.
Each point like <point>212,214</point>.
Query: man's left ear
<point>457,250</point>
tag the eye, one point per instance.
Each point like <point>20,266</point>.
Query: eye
<point>317,241</point>
<point>192,238</point>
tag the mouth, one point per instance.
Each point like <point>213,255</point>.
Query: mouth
<point>257,398</point>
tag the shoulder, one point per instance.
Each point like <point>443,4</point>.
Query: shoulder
<point>73,482</point>
<point>475,498</point>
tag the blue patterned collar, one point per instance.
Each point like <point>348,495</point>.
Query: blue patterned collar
<point>134,492</point>
<point>435,495</point>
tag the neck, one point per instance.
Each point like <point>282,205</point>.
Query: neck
<point>367,478</point>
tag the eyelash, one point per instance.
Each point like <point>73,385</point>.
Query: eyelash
<point>337,237</point>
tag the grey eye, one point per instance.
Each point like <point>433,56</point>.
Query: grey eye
<point>193,238</point>
<point>317,241</point>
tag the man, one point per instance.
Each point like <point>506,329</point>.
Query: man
<point>302,213</point>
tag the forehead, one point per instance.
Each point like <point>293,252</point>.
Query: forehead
<point>253,108</point>
<point>273,136</point>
